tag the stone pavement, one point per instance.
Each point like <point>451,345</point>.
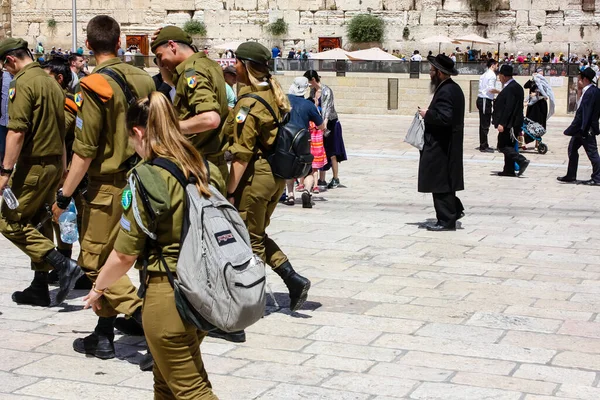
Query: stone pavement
<point>504,308</point>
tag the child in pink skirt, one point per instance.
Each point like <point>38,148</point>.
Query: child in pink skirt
<point>317,149</point>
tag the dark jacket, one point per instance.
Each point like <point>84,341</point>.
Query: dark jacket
<point>508,108</point>
<point>586,117</point>
<point>441,163</point>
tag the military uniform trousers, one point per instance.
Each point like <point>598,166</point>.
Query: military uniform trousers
<point>256,199</point>
<point>175,345</point>
<point>34,183</point>
<point>219,171</point>
<point>102,211</point>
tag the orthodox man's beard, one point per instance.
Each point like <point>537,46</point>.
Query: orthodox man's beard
<point>435,82</point>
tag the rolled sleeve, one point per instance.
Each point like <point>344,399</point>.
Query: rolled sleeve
<point>131,240</point>
<point>88,127</point>
<point>20,109</point>
<point>203,97</point>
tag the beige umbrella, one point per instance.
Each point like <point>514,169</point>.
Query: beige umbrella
<point>373,54</point>
<point>473,38</point>
<point>335,54</point>
<point>228,46</point>
<point>439,39</point>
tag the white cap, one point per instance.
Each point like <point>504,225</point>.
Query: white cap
<point>299,87</point>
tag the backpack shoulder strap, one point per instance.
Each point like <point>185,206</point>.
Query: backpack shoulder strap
<point>264,103</point>
<point>172,168</point>
<point>129,96</point>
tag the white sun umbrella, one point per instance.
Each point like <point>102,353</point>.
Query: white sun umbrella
<point>439,39</point>
<point>373,54</point>
<point>335,54</point>
<point>474,38</point>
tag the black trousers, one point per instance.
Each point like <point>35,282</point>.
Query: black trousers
<point>448,208</point>
<point>590,145</point>
<point>485,119</point>
<point>506,145</point>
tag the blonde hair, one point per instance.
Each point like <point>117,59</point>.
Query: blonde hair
<point>257,74</point>
<point>164,138</point>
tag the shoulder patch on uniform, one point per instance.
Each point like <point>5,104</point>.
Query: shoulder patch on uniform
<point>125,224</point>
<point>191,78</point>
<point>78,99</point>
<point>12,89</point>
<point>70,104</point>
<point>126,199</point>
<point>242,115</point>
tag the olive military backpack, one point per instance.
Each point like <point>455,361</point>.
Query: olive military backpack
<point>290,156</point>
<point>220,283</point>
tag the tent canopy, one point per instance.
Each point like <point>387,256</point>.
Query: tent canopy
<point>228,46</point>
<point>335,54</point>
<point>474,38</point>
<point>372,54</point>
<point>439,39</point>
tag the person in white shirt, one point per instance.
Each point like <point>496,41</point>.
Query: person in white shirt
<point>485,101</point>
<point>416,56</point>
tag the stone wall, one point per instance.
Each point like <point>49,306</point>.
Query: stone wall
<point>514,24</point>
<point>5,18</point>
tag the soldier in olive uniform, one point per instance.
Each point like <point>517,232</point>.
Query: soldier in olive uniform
<point>101,149</point>
<point>175,343</point>
<point>252,188</point>
<point>35,143</point>
<point>200,99</point>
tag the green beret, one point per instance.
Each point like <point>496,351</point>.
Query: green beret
<point>253,51</point>
<point>11,44</point>
<point>173,33</point>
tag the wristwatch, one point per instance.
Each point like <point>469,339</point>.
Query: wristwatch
<point>62,201</point>
<point>4,171</point>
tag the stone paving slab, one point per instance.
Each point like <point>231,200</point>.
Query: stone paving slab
<point>507,307</point>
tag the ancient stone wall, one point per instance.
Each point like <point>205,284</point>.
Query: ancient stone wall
<point>4,18</point>
<point>514,24</point>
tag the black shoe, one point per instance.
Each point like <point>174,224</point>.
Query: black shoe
<point>235,337</point>
<point>100,343</point>
<point>53,277</point>
<point>147,362</point>
<point>441,228</point>
<point>131,326</point>
<point>522,167</point>
<point>322,184</point>
<point>83,283</point>
<point>306,202</point>
<point>502,173</point>
<point>591,182</point>
<point>335,182</point>
<point>37,294</point>
<point>68,272</point>
<point>566,179</point>
<point>486,150</point>
<point>297,285</point>
<point>461,215</point>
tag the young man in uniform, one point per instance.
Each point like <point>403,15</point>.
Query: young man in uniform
<point>200,99</point>
<point>101,149</point>
<point>35,143</point>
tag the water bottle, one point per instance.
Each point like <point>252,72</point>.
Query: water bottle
<point>9,198</point>
<point>68,224</point>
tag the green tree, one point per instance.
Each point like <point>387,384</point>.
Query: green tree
<point>366,28</point>
<point>194,27</point>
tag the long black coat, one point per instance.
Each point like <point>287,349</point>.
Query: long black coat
<point>508,112</point>
<point>441,163</point>
<point>587,115</point>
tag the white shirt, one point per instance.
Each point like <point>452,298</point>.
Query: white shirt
<point>506,84</point>
<point>416,57</point>
<point>583,94</point>
<point>487,82</point>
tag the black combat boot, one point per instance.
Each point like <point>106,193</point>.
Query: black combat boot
<point>68,272</point>
<point>297,285</point>
<point>131,326</point>
<point>99,344</point>
<point>36,294</point>
<point>83,283</point>
<point>53,276</point>
<point>235,337</point>
<point>147,362</point>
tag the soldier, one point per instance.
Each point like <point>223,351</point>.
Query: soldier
<point>35,143</point>
<point>200,99</point>
<point>101,149</point>
<point>252,188</point>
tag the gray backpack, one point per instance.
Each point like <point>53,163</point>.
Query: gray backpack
<point>220,282</point>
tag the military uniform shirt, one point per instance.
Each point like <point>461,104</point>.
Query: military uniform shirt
<point>132,239</point>
<point>200,87</point>
<point>100,128</point>
<point>34,99</point>
<point>250,121</point>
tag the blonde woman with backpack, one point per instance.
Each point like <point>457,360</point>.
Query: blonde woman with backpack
<point>252,187</point>
<point>175,344</point>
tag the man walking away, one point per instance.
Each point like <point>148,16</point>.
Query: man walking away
<point>441,162</point>
<point>485,101</point>
<point>584,129</point>
<point>508,119</point>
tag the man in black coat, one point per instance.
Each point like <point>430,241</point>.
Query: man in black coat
<point>584,129</point>
<point>441,162</point>
<point>508,119</point>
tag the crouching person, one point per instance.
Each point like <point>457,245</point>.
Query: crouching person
<point>175,344</point>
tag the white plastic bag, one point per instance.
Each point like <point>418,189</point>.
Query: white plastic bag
<point>416,133</point>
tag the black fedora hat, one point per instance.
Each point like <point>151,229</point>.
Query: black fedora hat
<point>506,70</point>
<point>443,63</point>
<point>588,73</point>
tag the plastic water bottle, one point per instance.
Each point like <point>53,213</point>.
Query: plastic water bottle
<point>68,225</point>
<point>9,198</point>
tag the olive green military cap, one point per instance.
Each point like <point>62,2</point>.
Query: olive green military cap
<point>11,44</point>
<point>253,51</point>
<point>173,33</point>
